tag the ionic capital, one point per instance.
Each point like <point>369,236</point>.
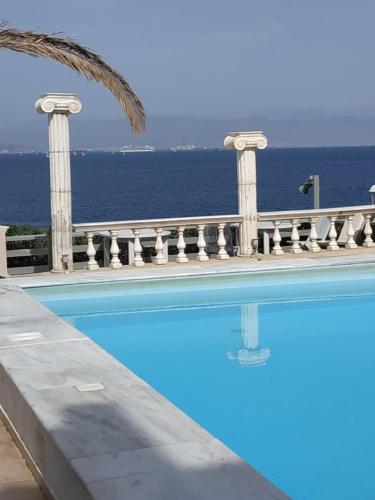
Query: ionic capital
<point>245,140</point>
<point>58,103</point>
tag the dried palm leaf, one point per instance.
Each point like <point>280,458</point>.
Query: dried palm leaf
<point>81,60</point>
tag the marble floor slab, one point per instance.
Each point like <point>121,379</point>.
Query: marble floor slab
<point>16,481</point>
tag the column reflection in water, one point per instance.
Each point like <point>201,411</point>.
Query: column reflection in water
<point>250,356</point>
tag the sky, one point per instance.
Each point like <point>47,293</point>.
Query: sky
<point>241,61</point>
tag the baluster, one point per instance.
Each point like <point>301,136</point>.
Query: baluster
<point>159,247</point>
<point>115,261</point>
<point>332,245</point>
<point>201,244</point>
<point>138,260</point>
<point>368,232</point>
<point>181,245</point>
<point>296,247</point>
<point>314,247</point>
<point>350,243</point>
<point>221,243</point>
<point>276,250</point>
<point>92,265</point>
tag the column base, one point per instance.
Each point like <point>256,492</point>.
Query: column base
<point>202,258</point>
<point>92,267</point>
<point>116,265</point>
<point>314,249</point>
<point>222,257</point>
<point>136,263</point>
<point>182,260</point>
<point>159,261</point>
<point>351,245</point>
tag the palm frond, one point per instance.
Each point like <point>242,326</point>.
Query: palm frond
<point>81,60</point>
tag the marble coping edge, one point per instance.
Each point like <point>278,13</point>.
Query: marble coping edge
<point>139,275</point>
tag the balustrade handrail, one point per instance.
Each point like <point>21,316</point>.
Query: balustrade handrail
<point>321,212</point>
<point>157,223</point>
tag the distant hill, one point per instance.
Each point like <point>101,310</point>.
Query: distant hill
<point>297,130</point>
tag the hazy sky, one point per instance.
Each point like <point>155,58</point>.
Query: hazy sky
<point>203,58</point>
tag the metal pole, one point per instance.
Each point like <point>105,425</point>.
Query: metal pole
<point>316,191</point>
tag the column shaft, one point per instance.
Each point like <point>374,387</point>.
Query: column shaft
<point>247,198</point>
<point>61,205</point>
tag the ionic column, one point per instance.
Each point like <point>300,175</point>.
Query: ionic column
<point>246,144</point>
<point>58,107</point>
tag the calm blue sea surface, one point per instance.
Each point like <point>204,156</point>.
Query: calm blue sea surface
<point>166,184</point>
<point>280,368</point>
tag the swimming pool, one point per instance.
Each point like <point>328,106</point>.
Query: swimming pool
<point>278,365</point>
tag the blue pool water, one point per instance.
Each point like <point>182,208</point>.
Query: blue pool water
<point>279,366</point>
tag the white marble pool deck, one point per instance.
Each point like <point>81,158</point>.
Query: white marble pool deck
<point>194,268</point>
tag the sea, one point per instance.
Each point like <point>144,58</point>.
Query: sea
<point>114,187</point>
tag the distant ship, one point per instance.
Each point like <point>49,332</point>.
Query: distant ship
<point>188,147</point>
<point>137,149</point>
<point>79,152</point>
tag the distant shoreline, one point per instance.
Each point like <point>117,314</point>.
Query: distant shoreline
<point>79,151</point>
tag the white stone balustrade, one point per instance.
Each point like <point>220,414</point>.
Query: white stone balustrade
<point>159,227</point>
<point>342,231</point>
<point>352,221</point>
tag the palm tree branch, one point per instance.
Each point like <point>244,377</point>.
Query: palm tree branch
<point>81,60</point>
